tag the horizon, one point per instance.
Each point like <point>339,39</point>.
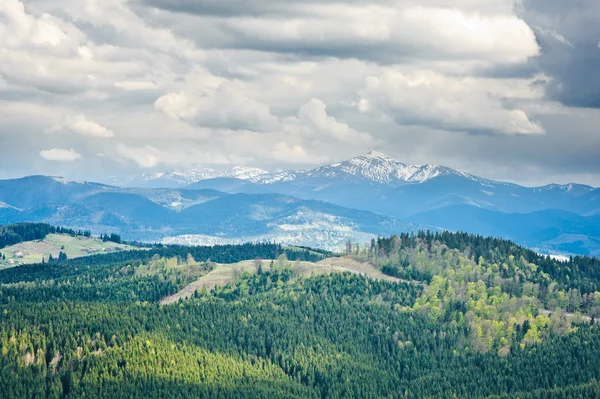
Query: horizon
<point>507,89</point>
<point>375,153</point>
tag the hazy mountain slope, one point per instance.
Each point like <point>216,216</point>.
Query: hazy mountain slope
<point>548,229</point>
<point>244,217</point>
<point>34,191</point>
<point>153,214</point>
<point>378,183</point>
<point>231,185</point>
<point>365,196</point>
<point>178,179</point>
<point>260,213</point>
<point>119,210</point>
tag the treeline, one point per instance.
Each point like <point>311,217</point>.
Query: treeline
<point>579,272</point>
<point>22,232</point>
<point>113,237</point>
<point>93,327</point>
<point>104,263</point>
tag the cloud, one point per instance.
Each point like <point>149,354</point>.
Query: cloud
<point>60,155</point>
<point>136,85</point>
<point>313,118</point>
<point>224,108</point>
<point>449,103</point>
<point>80,125</point>
<point>24,29</point>
<point>381,31</point>
<point>145,157</point>
<point>149,157</point>
<point>175,105</point>
<point>568,34</point>
<point>293,83</point>
<point>294,154</point>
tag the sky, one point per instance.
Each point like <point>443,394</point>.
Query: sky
<point>506,89</point>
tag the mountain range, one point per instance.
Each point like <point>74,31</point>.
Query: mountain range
<point>196,216</point>
<point>381,184</point>
<point>359,198</point>
<point>554,217</point>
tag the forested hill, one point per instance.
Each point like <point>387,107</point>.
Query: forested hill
<point>21,232</point>
<point>474,319</point>
<point>579,272</point>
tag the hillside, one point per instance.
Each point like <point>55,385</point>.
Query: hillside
<point>544,230</point>
<point>456,316</point>
<point>74,247</point>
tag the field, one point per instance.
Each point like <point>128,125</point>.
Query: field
<point>75,247</point>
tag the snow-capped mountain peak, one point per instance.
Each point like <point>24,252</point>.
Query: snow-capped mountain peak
<point>373,166</point>
<point>381,168</point>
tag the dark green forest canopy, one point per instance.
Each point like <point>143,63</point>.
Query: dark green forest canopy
<point>94,326</point>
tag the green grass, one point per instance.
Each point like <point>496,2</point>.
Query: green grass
<point>74,247</point>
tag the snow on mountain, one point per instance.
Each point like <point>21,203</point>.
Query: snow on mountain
<point>373,166</point>
<point>177,178</point>
<point>380,168</point>
<point>567,188</point>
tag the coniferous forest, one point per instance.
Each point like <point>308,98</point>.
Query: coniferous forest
<point>465,317</point>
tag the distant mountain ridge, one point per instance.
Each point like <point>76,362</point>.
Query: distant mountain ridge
<point>369,194</point>
<point>373,166</point>
<point>210,215</point>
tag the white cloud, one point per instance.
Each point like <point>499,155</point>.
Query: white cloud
<point>59,155</point>
<point>80,125</point>
<point>145,157</point>
<point>388,32</point>
<point>136,85</point>
<point>294,154</point>
<point>313,119</point>
<point>280,83</point>
<point>24,29</point>
<point>175,105</point>
<point>226,107</point>
<point>450,103</point>
<point>149,157</point>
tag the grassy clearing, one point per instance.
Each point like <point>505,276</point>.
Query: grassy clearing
<point>354,266</point>
<point>225,273</point>
<point>75,247</point>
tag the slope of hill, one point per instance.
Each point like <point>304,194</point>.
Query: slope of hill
<point>179,179</point>
<point>544,230</point>
<point>74,247</point>
<point>488,319</point>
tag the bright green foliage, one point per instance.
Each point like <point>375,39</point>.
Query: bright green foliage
<point>94,327</point>
<point>495,289</point>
